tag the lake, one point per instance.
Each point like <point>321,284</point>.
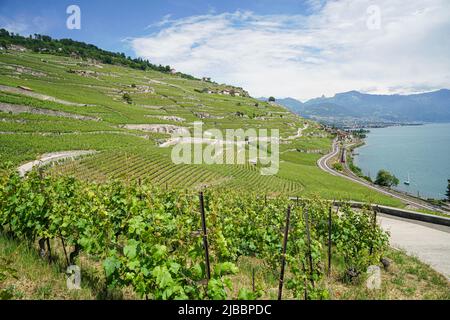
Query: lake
<point>423,152</point>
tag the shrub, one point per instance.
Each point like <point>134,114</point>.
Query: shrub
<point>338,166</point>
<point>127,98</point>
<point>386,179</point>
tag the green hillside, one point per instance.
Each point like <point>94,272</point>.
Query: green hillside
<point>52,103</point>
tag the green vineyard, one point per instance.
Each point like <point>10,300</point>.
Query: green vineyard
<point>152,240</point>
<point>158,168</point>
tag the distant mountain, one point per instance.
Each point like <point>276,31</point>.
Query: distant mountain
<point>354,106</point>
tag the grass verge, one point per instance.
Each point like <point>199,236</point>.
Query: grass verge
<point>406,278</point>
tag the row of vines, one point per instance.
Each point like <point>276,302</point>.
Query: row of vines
<point>153,240</point>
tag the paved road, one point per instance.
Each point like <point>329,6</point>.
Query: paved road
<point>428,242</point>
<point>322,163</point>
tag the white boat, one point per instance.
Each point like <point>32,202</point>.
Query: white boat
<point>407,182</point>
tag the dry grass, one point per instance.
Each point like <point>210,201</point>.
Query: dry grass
<point>406,278</point>
<point>38,279</point>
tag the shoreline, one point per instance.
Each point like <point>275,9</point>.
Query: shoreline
<point>386,125</point>
<point>363,143</point>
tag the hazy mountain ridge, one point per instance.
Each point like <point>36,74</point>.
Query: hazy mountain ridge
<point>353,106</point>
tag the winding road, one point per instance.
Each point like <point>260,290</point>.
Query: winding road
<point>322,163</point>
<point>428,242</point>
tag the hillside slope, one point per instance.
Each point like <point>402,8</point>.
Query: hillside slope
<point>55,103</point>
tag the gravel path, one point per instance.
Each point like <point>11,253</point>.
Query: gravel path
<point>51,157</point>
<point>299,133</point>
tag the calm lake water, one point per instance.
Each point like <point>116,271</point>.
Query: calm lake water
<point>423,152</point>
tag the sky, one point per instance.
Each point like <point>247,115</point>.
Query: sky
<point>300,49</point>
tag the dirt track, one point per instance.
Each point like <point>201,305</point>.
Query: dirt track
<point>40,96</point>
<point>52,157</point>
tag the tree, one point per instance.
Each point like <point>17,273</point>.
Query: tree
<point>386,179</point>
<point>448,190</point>
<point>271,99</point>
<point>3,44</point>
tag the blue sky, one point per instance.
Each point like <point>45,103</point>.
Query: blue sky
<point>301,49</point>
<point>106,23</point>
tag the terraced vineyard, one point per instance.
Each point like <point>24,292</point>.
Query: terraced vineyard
<point>55,103</point>
<point>159,169</point>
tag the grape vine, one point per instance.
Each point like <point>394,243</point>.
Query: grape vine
<point>151,239</point>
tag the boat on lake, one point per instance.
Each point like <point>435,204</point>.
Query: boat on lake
<point>407,182</point>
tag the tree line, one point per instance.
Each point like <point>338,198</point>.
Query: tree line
<point>68,47</point>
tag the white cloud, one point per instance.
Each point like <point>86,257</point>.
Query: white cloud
<point>24,25</point>
<point>329,51</point>
<point>15,26</point>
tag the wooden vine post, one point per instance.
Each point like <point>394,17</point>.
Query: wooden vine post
<point>375,210</point>
<point>47,240</point>
<point>205,237</point>
<point>305,291</point>
<point>329,240</point>
<point>64,248</point>
<point>283,255</point>
<point>253,279</point>
<point>308,235</point>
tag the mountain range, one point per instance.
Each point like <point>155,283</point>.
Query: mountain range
<point>356,107</point>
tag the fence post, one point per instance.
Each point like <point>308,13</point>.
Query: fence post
<point>205,236</point>
<point>283,255</point>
